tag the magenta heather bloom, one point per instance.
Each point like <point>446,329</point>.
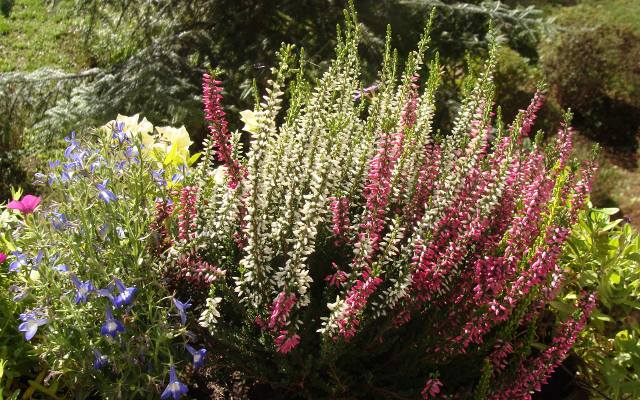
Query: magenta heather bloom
<point>220,136</point>
<point>282,306</point>
<point>285,343</point>
<point>187,212</point>
<point>355,303</point>
<point>3,258</point>
<point>26,205</point>
<point>431,389</point>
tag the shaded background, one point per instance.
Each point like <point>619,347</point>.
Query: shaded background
<point>69,65</point>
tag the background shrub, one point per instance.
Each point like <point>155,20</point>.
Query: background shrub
<point>592,71</point>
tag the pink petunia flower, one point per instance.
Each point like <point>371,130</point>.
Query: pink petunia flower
<point>26,205</point>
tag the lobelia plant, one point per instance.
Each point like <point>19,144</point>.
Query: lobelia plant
<point>353,252</point>
<point>80,270</point>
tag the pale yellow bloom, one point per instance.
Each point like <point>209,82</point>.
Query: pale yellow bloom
<point>178,137</point>
<point>250,121</point>
<point>132,127</point>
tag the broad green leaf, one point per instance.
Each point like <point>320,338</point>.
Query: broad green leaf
<point>614,278</point>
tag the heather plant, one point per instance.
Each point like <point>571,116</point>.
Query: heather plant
<point>350,250</point>
<point>82,292</point>
<point>603,256</point>
<point>353,251</point>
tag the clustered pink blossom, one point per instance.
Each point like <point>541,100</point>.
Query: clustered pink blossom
<point>337,278</point>
<point>187,212</point>
<point>340,218</point>
<point>285,342</point>
<point>280,310</point>
<point>377,191</point>
<point>431,389</point>
<point>499,355</point>
<point>355,303</point>
<point>531,113</point>
<point>278,321</point>
<point>408,117</point>
<point>533,372</point>
<point>197,271</point>
<point>425,184</point>
<point>220,136</point>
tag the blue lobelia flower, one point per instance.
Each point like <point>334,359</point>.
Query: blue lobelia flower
<point>198,355</point>
<point>99,361</point>
<point>177,178</point>
<point>132,153</point>
<point>119,133</point>
<point>120,165</point>
<point>35,263</point>
<point>125,297</point>
<point>175,388</point>
<point>182,309</point>
<point>73,144</point>
<point>65,176</point>
<point>103,230</point>
<point>59,221</point>
<point>30,324</point>
<point>158,177</point>
<point>60,268</point>
<point>19,262</point>
<point>84,289</point>
<point>40,178</point>
<point>94,165</point>
<point>20,292</point>
<point>107,292</point>
<point>105,194</point>
<point>111,326</point>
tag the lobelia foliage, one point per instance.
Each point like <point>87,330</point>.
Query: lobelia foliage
<point>80,265</point>
<point>354,251</point>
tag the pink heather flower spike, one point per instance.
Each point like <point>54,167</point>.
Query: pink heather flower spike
<point>26,205</point>
<point>431,389</point>
<point>285,344</point>
<point>3,258</point>
<point>218,130</point>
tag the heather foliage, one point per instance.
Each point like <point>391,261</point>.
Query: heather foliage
<point>350,250</point>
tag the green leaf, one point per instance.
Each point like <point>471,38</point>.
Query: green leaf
<point>193,159</point>
<point>607,211</point>
<point>611,225</point>
<point>614,278</point>
<point>634,257</point>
